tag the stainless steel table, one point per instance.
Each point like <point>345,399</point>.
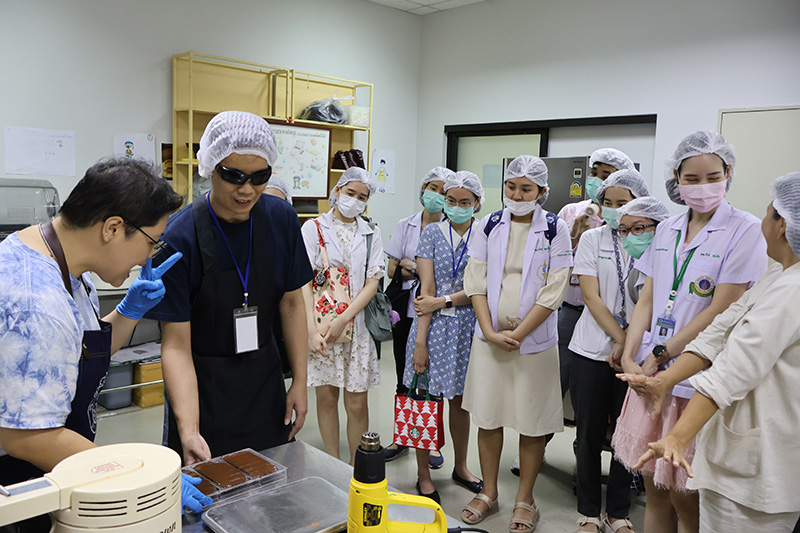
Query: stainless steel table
<point>303,460</point>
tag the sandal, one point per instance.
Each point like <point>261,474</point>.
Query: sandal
<point>616,525</point>
<point>529,525</point>
<point>479,515</point>
<point>594,520</point>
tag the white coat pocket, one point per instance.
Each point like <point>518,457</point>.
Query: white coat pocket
<point>738,453</point>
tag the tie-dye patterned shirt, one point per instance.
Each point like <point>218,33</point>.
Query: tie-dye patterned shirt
<point>41,328</point>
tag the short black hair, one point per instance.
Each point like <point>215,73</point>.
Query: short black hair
<point>775,214</point>
<point>124,187</point>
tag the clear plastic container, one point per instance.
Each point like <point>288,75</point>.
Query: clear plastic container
<point>309,505</point>
<point>242,472</point>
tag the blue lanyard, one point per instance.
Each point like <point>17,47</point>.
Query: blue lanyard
<point>453,252</point>
<point>620,277</point>
<point>246,277</point>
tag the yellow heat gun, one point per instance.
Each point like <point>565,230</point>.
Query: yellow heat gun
<point>370,497</point>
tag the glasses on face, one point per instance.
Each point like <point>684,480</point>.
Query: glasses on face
<point>237,177</point>
<point>638,229</point>
<point>158,246</point>
<point>452,202</point>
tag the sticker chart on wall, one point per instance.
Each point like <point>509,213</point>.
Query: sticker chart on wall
<point>303,157</point>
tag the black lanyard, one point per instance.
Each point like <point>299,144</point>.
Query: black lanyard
<point>453,252</point>
<point>620,278</point>
<point>246,277</point>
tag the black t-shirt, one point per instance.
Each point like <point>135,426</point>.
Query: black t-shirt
<point>284,243</point>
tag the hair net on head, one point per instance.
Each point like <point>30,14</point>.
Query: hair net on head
<point>235,132</point>
<point>354,174</point>
<point>435,174</point>
<point>613,157</point>
<point>785,193</point>
<point>531,167</point>
<point>280,185</point>
<point>466,180</point>
<point>645,207</point>
<point>697,143</point>
<point>627,179</point>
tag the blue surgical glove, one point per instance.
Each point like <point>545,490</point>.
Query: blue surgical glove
<point>191,496</point>
<point>146,290</point>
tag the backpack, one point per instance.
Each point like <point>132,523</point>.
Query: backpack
<point>550,232</point>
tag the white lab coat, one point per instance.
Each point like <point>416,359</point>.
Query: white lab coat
<point>359,256</point>
<point>750,450</point>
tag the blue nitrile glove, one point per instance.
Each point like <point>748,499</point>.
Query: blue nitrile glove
<point>146,290</point>
<point>191,496</point>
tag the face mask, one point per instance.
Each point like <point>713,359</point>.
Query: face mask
<point>704,198</point>
<point>519,209</point>
<point>610,216</point>
<point>593,184</point>
<point>433,201</point>
<point>458,215</point>
<point>635,245</point>
<point>350,207</point>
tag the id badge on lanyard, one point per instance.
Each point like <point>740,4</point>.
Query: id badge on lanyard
<point>452,311</point>
<point>665,323</point>
<point>245,319</point>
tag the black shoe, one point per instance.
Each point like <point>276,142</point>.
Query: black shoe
<point>433,495</point>
<point>473,486</point>
<point>390,454</point>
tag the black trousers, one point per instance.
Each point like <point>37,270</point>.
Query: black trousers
<point>400,333</point>
<point>597,396</point>
<point>567,318</point>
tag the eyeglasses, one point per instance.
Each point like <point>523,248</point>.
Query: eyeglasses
<point>158,246</point>
<point>638,229</point>
<point>452,202</point>
<point>237,177</point>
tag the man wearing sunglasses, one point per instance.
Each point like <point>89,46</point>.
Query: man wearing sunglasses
<point>243,266</point>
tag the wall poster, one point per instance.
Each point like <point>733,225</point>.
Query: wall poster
<point>304,155</point>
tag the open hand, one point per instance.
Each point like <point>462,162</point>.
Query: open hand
<point>668,448</point>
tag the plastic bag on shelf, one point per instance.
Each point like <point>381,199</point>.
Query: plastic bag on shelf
<point>328,110</point>
<point>358,115</point>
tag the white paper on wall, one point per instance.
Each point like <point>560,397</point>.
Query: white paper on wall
<point>40,151</point>
<point>383,169</point>
<point>135,145</point>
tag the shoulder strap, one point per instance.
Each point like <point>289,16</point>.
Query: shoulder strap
<point>50,238</point>
<point>322,249</point>
<point>371,225</point>
<point>494,220</point>
<point>552,226</point>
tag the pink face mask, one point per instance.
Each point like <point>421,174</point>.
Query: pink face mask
<point>703,198</point>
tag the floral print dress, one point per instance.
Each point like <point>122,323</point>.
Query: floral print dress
<point>352,365</point>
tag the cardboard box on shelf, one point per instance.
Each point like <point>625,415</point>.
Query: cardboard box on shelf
<point>150,395</point>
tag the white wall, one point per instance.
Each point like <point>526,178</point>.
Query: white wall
<point>514,60</point>
<point>100,66</point>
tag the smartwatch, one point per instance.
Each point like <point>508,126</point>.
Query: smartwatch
<point>661,352</point>
<point>448,302</point>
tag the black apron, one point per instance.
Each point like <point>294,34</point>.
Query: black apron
<point>242,397</point>
<point>92,371</point>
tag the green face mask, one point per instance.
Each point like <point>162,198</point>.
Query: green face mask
<point>593,184</point>
<point>610,216</point>
<point>458,215</point>
<point>433,201</point>
<point>635,245</point>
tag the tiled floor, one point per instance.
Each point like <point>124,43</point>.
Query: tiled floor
<point>553,492</point>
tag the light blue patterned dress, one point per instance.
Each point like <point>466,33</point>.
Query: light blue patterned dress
<point>41,328</point>
<point>449,337</point>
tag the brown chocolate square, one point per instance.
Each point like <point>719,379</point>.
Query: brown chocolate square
<point>221,473</point>
<point>251,463</point>
<point>205,486</point>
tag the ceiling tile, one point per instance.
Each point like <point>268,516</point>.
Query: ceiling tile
<point>423,10</point>
<point>450,4</point>
<point>404,5</point>
<point>424,7</point>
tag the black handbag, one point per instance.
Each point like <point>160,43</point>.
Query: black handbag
<point>397,294</point>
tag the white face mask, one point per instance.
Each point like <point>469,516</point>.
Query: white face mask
<point>350,207</point>
<point>519,209</point>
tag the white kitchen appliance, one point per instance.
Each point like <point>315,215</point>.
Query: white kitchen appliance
<point>120,488</point>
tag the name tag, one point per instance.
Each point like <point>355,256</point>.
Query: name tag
<point>665,328</point>
<point>245,329</point>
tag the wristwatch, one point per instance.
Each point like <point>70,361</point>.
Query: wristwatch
<point>448,302</point>
<point>661,352</point>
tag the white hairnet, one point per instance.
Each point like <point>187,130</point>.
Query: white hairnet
<point>435,174</point>
<point>466,180</point>
<point>531,167</point>
<point>235,132</point>
<point>613,157</point>
<point>627,179</point>
<point>785,192</point>
<point>354,174</point>
<point>280,185</point>
<point>697,143</point>
<point>645,207</point>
